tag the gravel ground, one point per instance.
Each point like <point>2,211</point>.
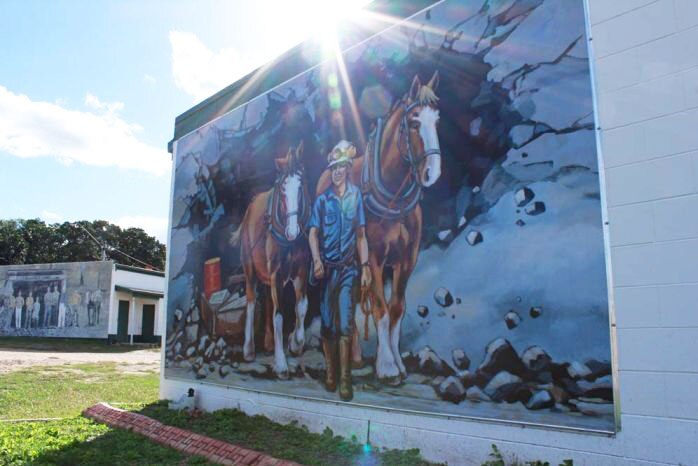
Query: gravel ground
<point>139,360</point>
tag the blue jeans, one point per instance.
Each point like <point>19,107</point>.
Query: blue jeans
<point>339,297</point>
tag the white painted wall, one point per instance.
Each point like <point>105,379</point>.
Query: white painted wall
<point>135,313</point>
<point>142,281</point>
<point>645,55</point>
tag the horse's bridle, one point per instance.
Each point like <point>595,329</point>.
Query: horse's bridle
<point>410,158</point>
<point>273,210</point>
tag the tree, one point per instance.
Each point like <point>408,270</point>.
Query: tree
<point>32,241</point>
<point>12,244</point>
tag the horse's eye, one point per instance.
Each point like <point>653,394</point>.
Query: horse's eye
<point>414,124</point>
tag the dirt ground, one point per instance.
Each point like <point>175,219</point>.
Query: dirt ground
<point>140,360</point>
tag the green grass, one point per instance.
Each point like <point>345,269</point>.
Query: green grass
<point>62,391</point>
<point>80,441</point>
<point>65,345</point>
<point>291,441</point>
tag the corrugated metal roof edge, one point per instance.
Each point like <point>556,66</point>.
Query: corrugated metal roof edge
<point>130,268</point>
<point>210,108</point>
<point>139,291</point>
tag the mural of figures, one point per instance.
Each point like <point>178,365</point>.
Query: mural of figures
<point>415,225</point>
<point>45,300</point>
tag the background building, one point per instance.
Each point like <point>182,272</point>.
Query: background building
<point>101,300</point>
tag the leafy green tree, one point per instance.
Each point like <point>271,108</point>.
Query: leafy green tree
<point>13,247</point>
<point>32,241</point>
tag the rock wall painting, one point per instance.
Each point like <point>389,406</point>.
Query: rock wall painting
<point>424,234</point>
<point>55,300</point>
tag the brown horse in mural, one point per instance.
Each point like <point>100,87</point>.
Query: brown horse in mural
<point>273,251</point>
<point>402,157</point>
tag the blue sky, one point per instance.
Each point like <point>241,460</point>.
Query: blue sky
<point>89,91</point>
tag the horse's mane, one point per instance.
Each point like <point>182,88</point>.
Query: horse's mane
<point>425,96</point>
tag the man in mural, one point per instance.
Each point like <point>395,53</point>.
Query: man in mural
<point>19,304</point>
<point>74,305</point>
<point>337,239</point>
<point>56,303</point>
<point>89,306</point>
<point>35,312</point>
<point>7,310</point>
<point>48,297</point>
<point>28,310</point>
<point>97,300</point>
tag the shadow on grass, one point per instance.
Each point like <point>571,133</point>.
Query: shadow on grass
<point>106,446</point>
<point>67,345</point>
<point>80,441</point>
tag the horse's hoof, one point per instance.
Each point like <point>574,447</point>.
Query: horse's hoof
<point>249,357</point>
<point>283,375</point>
<point>358,364</point>
<point>391,381</point>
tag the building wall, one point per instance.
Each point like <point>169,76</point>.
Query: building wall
<point>139,281</point>
<point>646,81</point>
<point>135,313</point>
<point>73,299</point>
<point>142,281</point>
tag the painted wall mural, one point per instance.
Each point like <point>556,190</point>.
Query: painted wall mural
<point>415,224</point>
<point>55,300</point>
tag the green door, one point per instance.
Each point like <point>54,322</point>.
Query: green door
<point>148,330</point>
<point>122,326</point>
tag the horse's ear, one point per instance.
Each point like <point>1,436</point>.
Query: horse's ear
<point>414,89</point>
<point>299,151</point>
<point>434,81</point>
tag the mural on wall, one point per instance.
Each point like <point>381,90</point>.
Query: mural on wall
<point>55,300</point>
<point>415,224</point>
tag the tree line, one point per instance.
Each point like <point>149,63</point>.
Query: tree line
<point>32,241</point>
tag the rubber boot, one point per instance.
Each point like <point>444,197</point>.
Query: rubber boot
<point>329,347</point>
<point>346,392</point>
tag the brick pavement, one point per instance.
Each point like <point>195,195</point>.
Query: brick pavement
<point>185,441</point>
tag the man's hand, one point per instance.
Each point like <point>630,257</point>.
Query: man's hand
<point>365,276</point>
<point>318,269</point>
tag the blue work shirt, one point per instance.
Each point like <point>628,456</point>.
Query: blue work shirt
<point>337,219</point>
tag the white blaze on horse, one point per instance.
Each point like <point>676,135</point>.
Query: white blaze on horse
<point>402,157</point>
<point>273,251</point>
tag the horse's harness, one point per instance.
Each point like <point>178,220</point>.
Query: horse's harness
<point>277,221</point>
<point>378,198</point>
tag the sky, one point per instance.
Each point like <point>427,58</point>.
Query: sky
<point>89,91</point>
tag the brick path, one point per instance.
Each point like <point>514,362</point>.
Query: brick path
<point>183,440</point>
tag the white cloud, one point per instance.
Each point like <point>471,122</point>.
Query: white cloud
<point>51,217</point>
<point>150,79</point>
<point>200,72</point>
<point>154,226</point>
<point>31,128</point>
<point>93,102</point>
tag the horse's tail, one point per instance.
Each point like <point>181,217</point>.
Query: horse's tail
<point>235,237</point>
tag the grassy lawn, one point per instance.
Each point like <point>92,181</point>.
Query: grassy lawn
<point>79,441</point>
<point>64,391</point>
